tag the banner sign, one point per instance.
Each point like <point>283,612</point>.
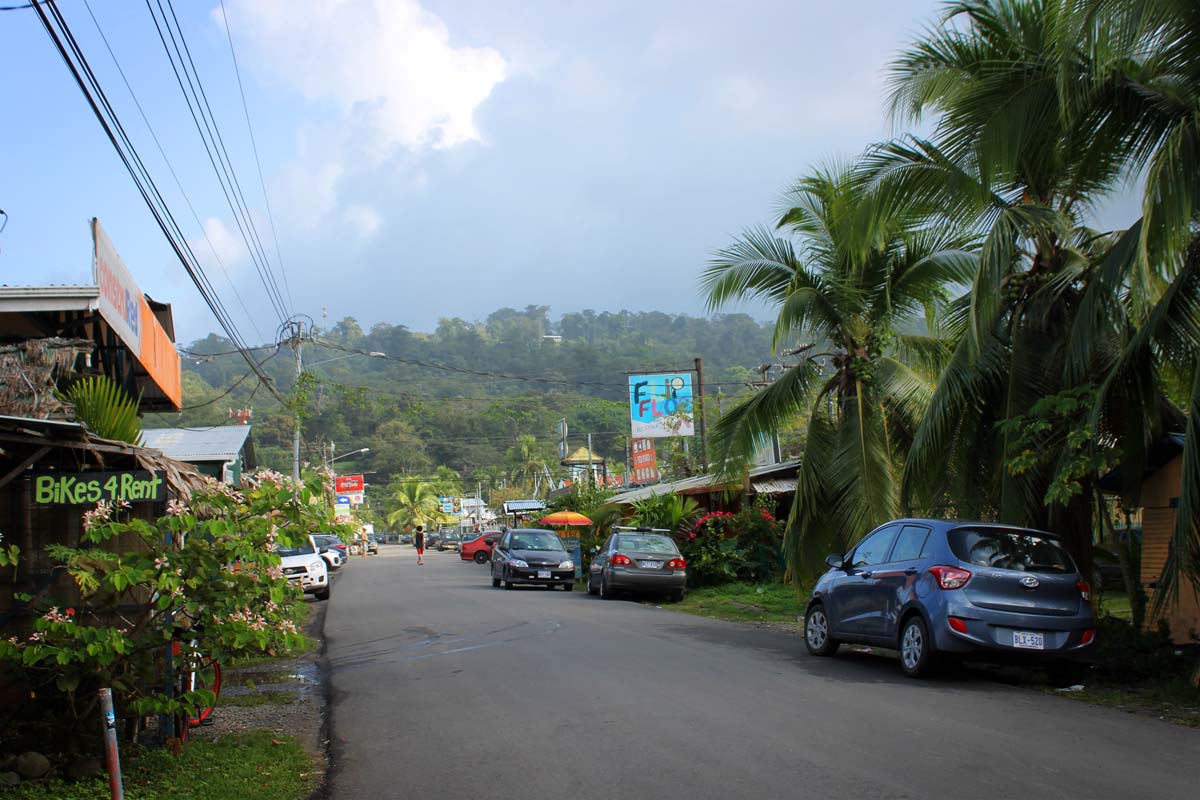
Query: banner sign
<point>341,509</point>
<point>344,484</point>
<point>645,461</point>
<point>88,488</point>
<point>124,307</point>
<point>450,505</point>
<point>661,405</point>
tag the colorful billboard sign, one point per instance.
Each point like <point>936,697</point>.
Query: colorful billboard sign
<point>345,484</point>
<point>124,308</point>
<point>661,405</point>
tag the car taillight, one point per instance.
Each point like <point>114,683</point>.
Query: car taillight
<point>1088,636</point>
<point>676,563</point>
<point>621,560</point>
<point>950,577</point>
<point>1085,589</point>
<point>957,624</point>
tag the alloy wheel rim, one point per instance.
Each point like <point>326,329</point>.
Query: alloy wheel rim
<point>913,645</point>
<point>817,630</point>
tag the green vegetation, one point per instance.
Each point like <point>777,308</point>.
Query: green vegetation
<point>105,408</point>
<point>773,602</point>
<point>248,766</point>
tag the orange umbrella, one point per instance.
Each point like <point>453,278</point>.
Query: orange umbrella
<point>565,518</point>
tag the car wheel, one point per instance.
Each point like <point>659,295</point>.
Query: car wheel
<point>592,590</point>
<point>570,587</point>
<point>676,596</point>
<point>481,557</point>
<point>507,583</point>
<point>1065,673</point>
<point>605,592</point>
<point>916,649</point>
<point>323,594</point>
<point>817,636</point>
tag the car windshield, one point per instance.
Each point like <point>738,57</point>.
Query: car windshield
<point>536,540</point>
<point>646,543</point>
<point>285,552</point>
<point>1010,549</point>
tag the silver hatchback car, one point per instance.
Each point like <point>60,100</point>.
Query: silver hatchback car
<point>939,590</point>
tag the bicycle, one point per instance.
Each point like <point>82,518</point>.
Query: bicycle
<point>200,672</point>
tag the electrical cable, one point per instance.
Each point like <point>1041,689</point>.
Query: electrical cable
<point>232,386</point>
<point>197,113</point>
<point>97,100</point>
<point>254,147</point>
<point>171,169</point>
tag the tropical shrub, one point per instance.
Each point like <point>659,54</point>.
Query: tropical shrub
<point>105,408</point>
<point>206,571</point>
<point>670,512</point>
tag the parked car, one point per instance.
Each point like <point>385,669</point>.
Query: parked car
<point>406,538</point>
<point>532,556</point>
<point>372,544</point>
<point>449,541</point>
<point>303,566</point>
<point>479,549</point>
<point>638,560</point>
<point>1107,576</point>
<point>938,590</point>
<point>432,538</point>
<point>333,557</point>
<point>329,542</point>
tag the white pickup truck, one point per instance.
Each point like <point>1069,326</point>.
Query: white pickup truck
<point>304,565</point>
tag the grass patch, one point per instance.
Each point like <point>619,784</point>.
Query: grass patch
<point>1173,700</point>
<point>744,602</point>
<point>251,699</point>
<point>256,765</point>
<point>1115,605</point>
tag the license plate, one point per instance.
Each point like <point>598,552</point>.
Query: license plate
<point>650,564</point>
<point>543,573</point>
<point>1029,641</point>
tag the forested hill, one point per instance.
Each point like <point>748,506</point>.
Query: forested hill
<point>463,394</point>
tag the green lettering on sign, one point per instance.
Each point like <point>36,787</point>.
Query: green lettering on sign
<point>87,488</point>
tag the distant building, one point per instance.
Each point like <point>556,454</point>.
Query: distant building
<point>223,452</point>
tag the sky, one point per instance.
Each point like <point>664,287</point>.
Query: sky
<point>442,158</point>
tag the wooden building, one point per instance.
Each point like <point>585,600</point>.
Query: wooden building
<point>1159,510</point>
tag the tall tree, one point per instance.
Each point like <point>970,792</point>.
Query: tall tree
<point>856,264</point>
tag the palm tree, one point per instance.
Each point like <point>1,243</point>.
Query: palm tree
<point>1042,107</point>
<point>856,266</point>
<point>415,502</point>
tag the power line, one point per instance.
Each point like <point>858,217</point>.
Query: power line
<point>171,169</point>
<point>214,148</point>
<point>76,62</point>
<point>254,147</point>
<point>233,386</point>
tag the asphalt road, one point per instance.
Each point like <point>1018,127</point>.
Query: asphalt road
<point>443,687</point>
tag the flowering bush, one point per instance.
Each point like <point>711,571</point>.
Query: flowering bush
<point>206,571</point>
<point>722,546</point>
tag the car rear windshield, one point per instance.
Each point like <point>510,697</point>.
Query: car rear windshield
<point>1010,549</point>
<point>533,540</point>
<point>646,543</point>
<point>285,552</point>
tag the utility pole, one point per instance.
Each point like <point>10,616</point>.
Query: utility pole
<point>700,414</point>
<point>297,338</point>
<point>591,475</point>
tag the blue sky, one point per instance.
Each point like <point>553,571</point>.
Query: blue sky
<point>443,158</point>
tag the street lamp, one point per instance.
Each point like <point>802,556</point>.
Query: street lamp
<point>351,453</point>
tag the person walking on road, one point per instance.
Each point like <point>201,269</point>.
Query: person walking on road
<point>419,543</point>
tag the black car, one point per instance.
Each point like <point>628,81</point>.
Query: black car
<point>532,556</point>
<point>449,541</point>
<point>406,538</point>
<point>432,538</point>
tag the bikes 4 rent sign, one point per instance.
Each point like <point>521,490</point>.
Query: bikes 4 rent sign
<point>86,488</point>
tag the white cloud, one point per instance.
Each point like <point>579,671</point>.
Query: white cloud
<point>227,243</point>
<point>363,219</point>
<point>389,64</point>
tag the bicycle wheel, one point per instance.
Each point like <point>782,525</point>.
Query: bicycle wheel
<point>205,676</point>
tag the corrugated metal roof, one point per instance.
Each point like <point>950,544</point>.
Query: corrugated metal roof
<point>774,486</point>
<point>218,443</point>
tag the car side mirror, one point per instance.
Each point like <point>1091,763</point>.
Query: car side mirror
<point>835,561</point>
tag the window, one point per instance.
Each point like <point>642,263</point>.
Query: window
<point>874,549</point>
<point>910,544</point>
<point>536,540</point>
<point>1002,548</point>
<point>646,543</point>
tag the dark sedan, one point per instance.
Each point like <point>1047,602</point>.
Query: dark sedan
<point>938,590</point>
<point>532,556</point>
